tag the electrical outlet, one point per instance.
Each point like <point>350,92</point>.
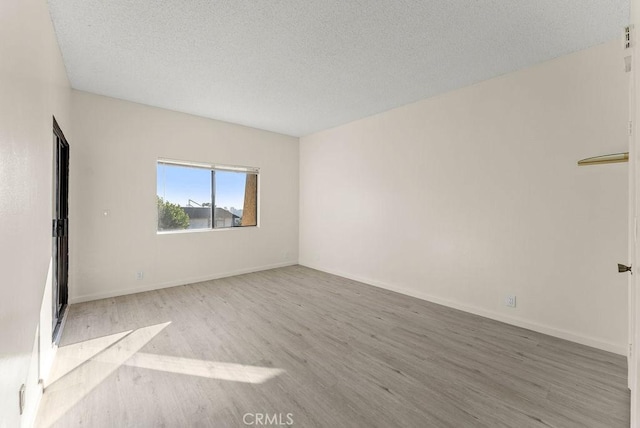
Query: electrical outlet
<point>510,301</point>
<point>140,275</point>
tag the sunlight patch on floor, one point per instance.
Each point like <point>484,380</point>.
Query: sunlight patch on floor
<point>81,367</point>
<point>210,369</point>
<point>69,389</point>
<point>72,356</point>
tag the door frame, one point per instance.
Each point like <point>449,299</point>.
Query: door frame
<point>60,228</point>
<point>634,214</point>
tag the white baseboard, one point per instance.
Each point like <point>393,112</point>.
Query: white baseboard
<point>184,281</point>
<point>518,322</point>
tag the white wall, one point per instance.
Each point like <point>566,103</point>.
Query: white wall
<point>492,202</point>
<point>113,167</point>
<point>33,87</point>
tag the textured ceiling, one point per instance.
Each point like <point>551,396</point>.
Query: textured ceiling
<point>299,66</point>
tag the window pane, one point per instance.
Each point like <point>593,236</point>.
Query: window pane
<point>183,197</point>
<point>236,199</point>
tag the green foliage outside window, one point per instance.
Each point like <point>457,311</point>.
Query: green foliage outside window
<point>171,216</point>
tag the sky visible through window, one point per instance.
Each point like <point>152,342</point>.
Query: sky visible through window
<point>178,184</point>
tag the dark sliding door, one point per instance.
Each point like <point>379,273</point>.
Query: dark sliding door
<point>60,226</point>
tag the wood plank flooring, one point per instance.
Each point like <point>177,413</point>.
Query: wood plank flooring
<point>295,344</point>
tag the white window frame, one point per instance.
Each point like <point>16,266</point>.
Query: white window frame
<point>212,167</point>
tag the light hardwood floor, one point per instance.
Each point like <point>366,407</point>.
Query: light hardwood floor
<point>324,351</point>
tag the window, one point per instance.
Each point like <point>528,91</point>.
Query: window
<point>196,196</point>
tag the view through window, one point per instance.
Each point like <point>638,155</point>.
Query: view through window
<point>203,197</point>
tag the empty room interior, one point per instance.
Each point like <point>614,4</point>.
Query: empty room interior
<point>319,214</point>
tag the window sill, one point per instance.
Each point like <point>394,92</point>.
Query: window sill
<point>187,231</point>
